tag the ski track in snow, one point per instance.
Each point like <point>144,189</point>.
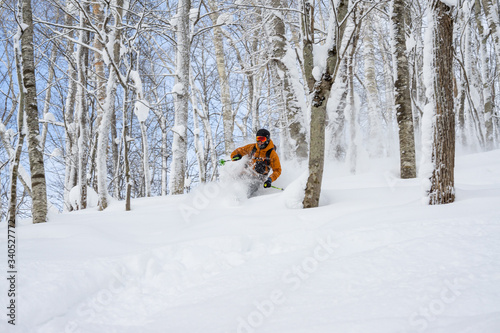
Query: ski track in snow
<point>372,259</point>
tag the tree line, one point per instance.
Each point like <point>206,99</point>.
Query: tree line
<point>105,100</point>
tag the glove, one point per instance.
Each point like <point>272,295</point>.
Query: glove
<point>268,183</point>
<point>236,157</point>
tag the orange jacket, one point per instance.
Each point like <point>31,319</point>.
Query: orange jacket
<point>260,156</point>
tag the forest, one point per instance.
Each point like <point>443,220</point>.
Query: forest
<point>121,99</point>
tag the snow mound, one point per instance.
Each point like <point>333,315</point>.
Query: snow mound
<point>74,197</point>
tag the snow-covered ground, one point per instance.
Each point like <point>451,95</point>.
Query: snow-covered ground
<point>373,258</point>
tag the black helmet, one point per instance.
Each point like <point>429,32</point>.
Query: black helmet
<point>264,132</point>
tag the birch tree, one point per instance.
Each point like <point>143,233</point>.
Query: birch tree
<point>492,13</point>
<point>415,58</point>
<point>485,76</point>
<point>109,101</point>
<point>141,111</point>
<point>17,105</point>
<point>439,118</point>
<point>320,86</point>
<point>70,159</point>
<point>37,169</point>
<point>403,105</point>
<point>352,99</point>
<point>225,95</point>
<point>16,155</point>
<point>181,98</point>
<point>462,26</point>
<point>375,144</point>
<point>82,61</point>
<point>285,72</point>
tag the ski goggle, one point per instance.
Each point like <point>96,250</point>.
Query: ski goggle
<point>261,139</point>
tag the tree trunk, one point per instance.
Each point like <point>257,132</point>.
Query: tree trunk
<point>115,151</point>
<point>491,11</point>
<point>38,183</point>
<point>296,140</point>
<point>417,89</point>
<point>353,117</point>
<point>403,103</point>
<point>441,116</point>
<point>227,110</point>
<point>388,76</point>
<point>145,159</point>
<point>102,141</point>
<point>125,138</point>
<point>473,123</point>
<point>320,93</point>
<point>100,77</point>
<point>82,60</point>
<point>198,147</point>
<point>461,26</point>
<point>12,210</point>
<point>485,79</point>
<point>181,100</point>
<point>108,107</point>
<point>375,143</point>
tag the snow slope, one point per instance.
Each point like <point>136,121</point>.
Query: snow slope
<point>371,259</point>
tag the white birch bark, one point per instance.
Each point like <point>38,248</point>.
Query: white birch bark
<point>336,128</point>
<point>198,147</point>
<point>473,124</point>
<point>388,87</point>
<point>81,113</point>
<point>102,141</point>
<point>375,143</point>
<point>227,110</point>
<point>142,111</point>
<point>459,27</point>
<point>417,90</point>
<point>468,77</point>
<point>282,57</point>
<point>38,183</point>
<point>352,116</point>
<point>492,13</point>
<point>145,159</point>
<point>99,74</point>
<point>15,155</point>
<point>181,99</point>
<point>70,156</point>
<point>485,77</point>
<point>115,149</point>
<point>108,107</point>
<point>126,144</point>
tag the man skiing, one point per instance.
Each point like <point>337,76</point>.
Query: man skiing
<point>263,159</point>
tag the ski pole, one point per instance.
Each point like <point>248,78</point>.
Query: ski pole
<point>223,161</point>
<point>278,188</point>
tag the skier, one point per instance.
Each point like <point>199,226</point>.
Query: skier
<point>263,159</point>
